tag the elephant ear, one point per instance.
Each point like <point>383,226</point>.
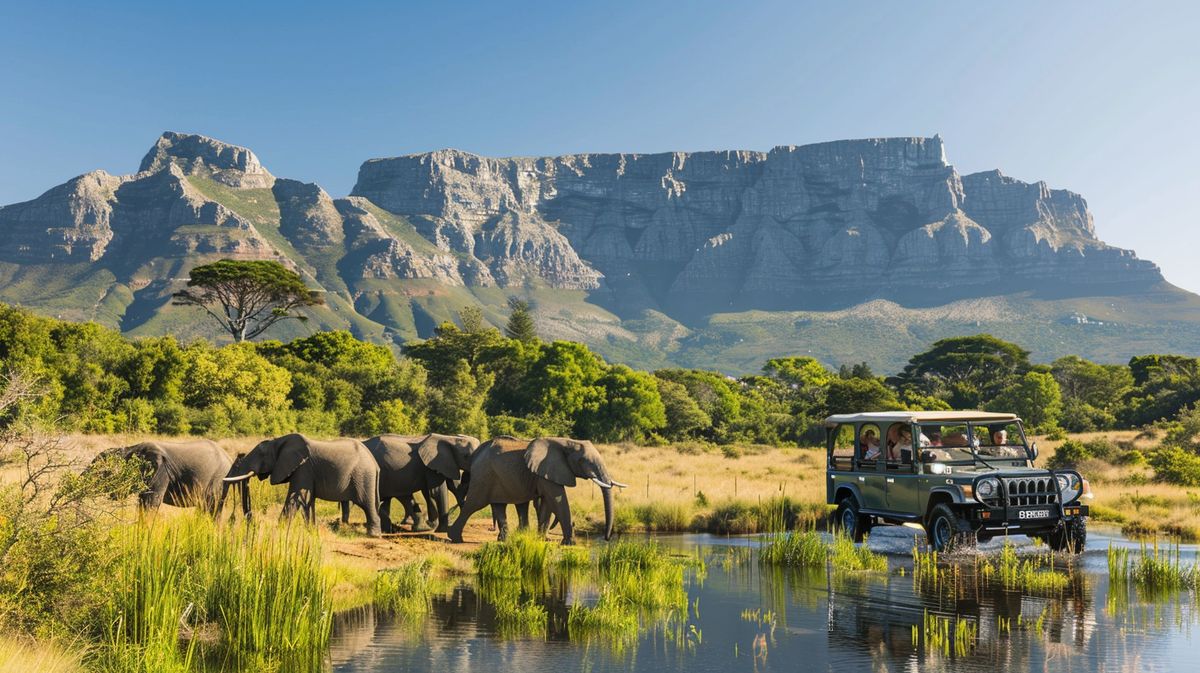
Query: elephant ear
<point>291,453</point>
<point>546,458</point>
<point>438,455</point>
<point>156,464</point>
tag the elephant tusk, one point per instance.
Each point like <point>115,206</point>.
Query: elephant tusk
<point>619,484</point>
<point>601,484</point>
<point>243,477</point>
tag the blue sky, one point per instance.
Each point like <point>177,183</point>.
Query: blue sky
<point>1097,97</point>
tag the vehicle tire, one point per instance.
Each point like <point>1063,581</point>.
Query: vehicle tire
<point>1069,536</point>
<point>947,530</point>
<point>849,521</point>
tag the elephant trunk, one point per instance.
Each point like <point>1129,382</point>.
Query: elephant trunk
<point>608,512</point>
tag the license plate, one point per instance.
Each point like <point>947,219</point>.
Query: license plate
<point>1034,514</point>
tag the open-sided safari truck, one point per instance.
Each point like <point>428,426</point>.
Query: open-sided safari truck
<point>963,475</point>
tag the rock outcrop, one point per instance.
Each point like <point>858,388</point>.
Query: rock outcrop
<point>656,239</point>
<point>796,227</point>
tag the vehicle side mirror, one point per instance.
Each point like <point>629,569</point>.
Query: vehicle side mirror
<point>1033,450</point>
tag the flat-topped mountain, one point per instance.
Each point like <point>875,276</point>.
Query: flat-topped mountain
<point>699,258</point>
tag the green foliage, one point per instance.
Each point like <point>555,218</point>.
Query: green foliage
<point>458,406</point>
<point>1070,454</point>
<point>1034,397</point>
<point>252,295</point>
<point>520,321</point>
<point>1176,466</point>
<point>852,395</point>
<point>965,371</point>
<point>630,410</point>
<point>685,418</point>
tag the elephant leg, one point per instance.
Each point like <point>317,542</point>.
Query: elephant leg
<point>293,502</point>
<point>220,496</point>
<point>442,502</point>
<point>418,522</point>
<point>468,508</point>
<point>385,516</point>
<point>345,504</point>
<point>558,503</point>
<point>522,514</point>
<point>368,500</point>
<point>310,509</point>
<point>500,516</point>
<point>433,509</point>
<point>543,516</point>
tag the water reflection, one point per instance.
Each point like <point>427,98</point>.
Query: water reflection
<point>770,619</point>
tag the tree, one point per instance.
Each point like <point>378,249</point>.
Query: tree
<point>965,371</point>
<point>861,370</point>
<point>471,319</point>
<point>856,395</point>
<point>520,321</point>
<point>1034,397</point>
<point>252,295</point>
<point>457,407</point>
<point>630,410</point>
<point>685,418</point>
<point>564,383</point>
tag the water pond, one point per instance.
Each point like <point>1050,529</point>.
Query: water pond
<point>745,616</point>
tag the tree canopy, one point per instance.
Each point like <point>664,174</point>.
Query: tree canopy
<point>247,296</point>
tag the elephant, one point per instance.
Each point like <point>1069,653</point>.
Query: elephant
<point>430,464</point>
<point>337,470</point>
<point>504,472</point>
<point>183,474</point>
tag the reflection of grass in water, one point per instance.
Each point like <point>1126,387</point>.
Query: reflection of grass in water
<point>1031,574</point>
<point>640,584</point>
<point>1157,574</point>
<point>408,591</point>
<point>946,635</point>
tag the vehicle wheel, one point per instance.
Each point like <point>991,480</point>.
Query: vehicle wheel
<point>1069,536</point>
<point>947,530</point>
<point>848,520</point>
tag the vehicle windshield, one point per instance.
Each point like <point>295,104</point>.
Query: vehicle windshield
<point>972,442</point>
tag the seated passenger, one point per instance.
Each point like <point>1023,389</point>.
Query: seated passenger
<point>935,438</point>
<point>1000,441</point>
<point>869,445</point>
<point>903,441</point>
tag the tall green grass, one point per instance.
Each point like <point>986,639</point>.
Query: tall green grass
<point>254,597</point>
<point>1155,571</point>
<point>800,550</point>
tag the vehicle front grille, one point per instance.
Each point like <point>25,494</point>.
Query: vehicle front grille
<point>1025,491</point>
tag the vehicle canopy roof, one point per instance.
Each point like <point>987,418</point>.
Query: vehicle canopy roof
<point>920,417</point>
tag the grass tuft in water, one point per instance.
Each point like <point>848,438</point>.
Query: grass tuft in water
<point>801,550</point>
<point>848,557</point>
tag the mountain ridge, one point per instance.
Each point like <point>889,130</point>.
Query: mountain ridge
<point>640,255</point>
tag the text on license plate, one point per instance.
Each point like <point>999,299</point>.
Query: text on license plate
<point>1033,514</point>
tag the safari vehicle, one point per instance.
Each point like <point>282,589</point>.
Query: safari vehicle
<point>962,475</point>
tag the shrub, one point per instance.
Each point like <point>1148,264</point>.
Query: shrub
<point>1070,454</point>
<point>1176,466</point>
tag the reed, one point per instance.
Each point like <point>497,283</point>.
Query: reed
<point>1029,574</point>
<point>801,550</point>
<point>255,597</point>
<point>405,591</point>
<point>847,557</point>
<point>523,553</point>
<point>1154,570</point>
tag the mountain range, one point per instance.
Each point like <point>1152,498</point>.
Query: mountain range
<point>855,250</point>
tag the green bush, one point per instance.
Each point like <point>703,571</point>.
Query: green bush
<point>1176,466</point>
<point>1070,454</point>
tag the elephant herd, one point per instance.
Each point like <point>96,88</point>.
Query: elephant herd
<point>369,474</point>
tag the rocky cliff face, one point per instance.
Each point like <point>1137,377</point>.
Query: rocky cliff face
<point>645,241</point>
<point>796,227</point>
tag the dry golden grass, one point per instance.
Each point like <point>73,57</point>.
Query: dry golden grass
<point>1129,496</point>
<point>24,656</point>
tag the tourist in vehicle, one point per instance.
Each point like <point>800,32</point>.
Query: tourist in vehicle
<point>870,445</point>
<point>903,441</point>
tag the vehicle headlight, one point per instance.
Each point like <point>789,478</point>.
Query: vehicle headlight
<point>1070,486</point>
<point>987,488</point>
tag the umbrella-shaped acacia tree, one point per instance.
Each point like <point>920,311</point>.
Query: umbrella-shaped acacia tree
<point>247,297</point>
